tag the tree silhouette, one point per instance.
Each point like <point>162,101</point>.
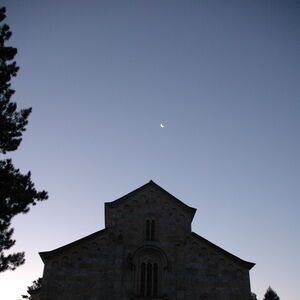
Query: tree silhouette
<point>271,294</point>
<point>253,296</point>
<point>33,289</point>
<point>17,191</point>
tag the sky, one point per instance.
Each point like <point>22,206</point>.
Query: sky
<point>222,76</point>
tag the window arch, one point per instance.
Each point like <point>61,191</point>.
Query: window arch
<point>150,267</point>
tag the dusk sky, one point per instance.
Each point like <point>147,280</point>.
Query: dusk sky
<point>222,76</point>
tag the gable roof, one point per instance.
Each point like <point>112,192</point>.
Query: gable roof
<point>49,254</point>
<point>150,184</point>
<point>237,260</point>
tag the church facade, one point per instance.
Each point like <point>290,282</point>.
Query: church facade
<point>146,251</point>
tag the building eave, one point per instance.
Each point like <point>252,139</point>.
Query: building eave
<point>45,255</point>
<point>237,260</point>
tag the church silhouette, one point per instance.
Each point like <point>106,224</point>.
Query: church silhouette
<point>146,251</point>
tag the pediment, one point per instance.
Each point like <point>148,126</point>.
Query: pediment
<point>149,197</point>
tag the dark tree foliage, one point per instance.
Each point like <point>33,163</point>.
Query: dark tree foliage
<point>12,122</point>
<point>253,296</point>
<point>35,287</point>
<point>271,294</point>
<point>17,191</point>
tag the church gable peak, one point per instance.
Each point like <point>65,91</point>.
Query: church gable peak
<point>148,201</point>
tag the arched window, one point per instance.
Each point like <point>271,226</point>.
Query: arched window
<point>150,230</point>
<point>150,267</point>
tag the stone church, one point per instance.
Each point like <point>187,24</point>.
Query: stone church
<point>146,251</point>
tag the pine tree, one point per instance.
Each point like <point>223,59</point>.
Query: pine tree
<point>33,289</point>
<point>271,294</point>
<point>17,191</point>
